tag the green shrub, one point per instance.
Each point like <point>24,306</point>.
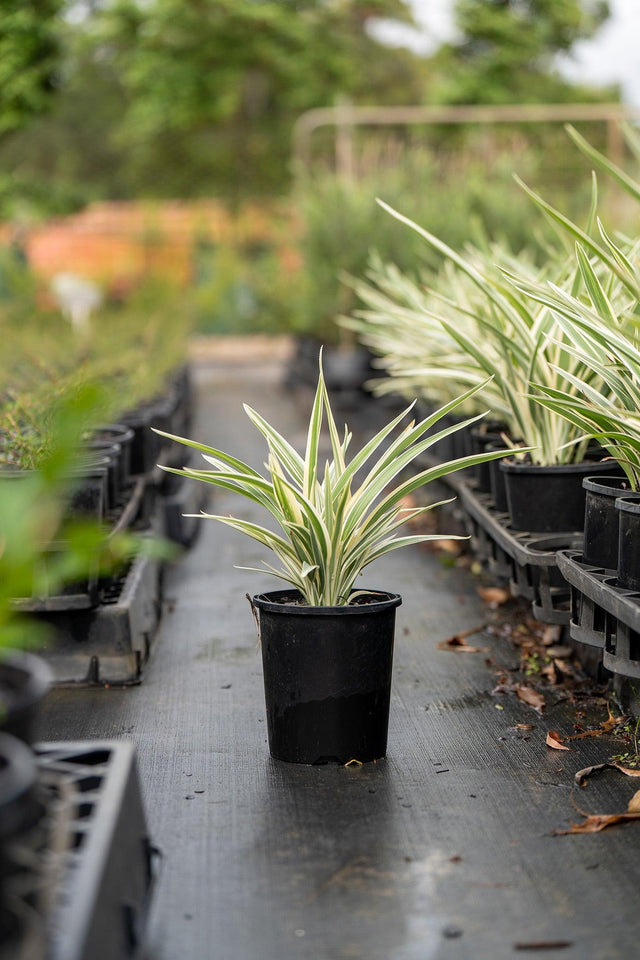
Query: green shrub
<point>457,196</point>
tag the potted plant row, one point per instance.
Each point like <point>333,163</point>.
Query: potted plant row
<point>561,346</point>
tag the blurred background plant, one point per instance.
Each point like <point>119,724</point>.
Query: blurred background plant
<point>42,549</point>
<point>134,101</point>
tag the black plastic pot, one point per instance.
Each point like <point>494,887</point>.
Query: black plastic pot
<point>111,452</point>
<point>629,542</point>
<point>89,480</point>
<point>122,435</point>
<point>145,444</point>
<point>497,485</point>
<point>549,499</point>
<point>481,441</point>
<point>327,676</point>
<point>601,519</point>
<point>24,682</point>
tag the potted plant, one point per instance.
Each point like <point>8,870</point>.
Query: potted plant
<point>500,332</point>
<point>597,321</point>
<point>605,341</point>
<point>327,643</point>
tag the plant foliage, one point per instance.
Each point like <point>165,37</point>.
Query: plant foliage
<point>332,523</point>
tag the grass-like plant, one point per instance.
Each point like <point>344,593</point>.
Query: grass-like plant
<point>598,327</point>
<point>335,517</point>
<point>474,324</point>
<point>400,324</point>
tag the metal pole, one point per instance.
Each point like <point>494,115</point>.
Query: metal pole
<point>310,121</point>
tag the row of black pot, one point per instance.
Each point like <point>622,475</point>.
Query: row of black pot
<point>592,496</point>
<point>117,454</point>
<point>535,499</point>
<point>612,528</point>
<point>114,455</point>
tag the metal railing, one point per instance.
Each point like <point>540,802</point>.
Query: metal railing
<point>344,117</point>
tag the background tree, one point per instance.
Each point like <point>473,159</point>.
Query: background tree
<point>507,49</point>
<point>29,58</point>
<point>194,97</point>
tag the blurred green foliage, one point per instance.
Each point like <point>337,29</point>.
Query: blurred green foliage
<point>506,49</point>
<point>127,351</point>
<point>459,196</point>
<point>184,98</point>
<point>41,548</point>
<point>30,55</point>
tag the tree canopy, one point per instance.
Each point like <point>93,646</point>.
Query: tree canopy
<point>507,48</point>
<point>29,58</point>
<point>190,97</point>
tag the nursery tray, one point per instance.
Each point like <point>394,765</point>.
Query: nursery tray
<point>603,614</point>
<point>110,643</point>
<point>527,560</point>
<point>85,595</point>
<point>83,878</point>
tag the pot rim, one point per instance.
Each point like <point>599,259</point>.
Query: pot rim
<point>269,602</point>
<point>121,432</point>
<point>628,503</point>
<point>593,466</point>
<point>606,486</point>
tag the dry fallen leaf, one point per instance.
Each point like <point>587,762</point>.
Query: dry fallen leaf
<point>457,642</point>
<point>530,696</point>
<point>549,672</point>
<point>555,741</point>
<point>559,651</point>
<point>628,771</point>
<point>551,634</point>
<point>494,596</point>
<point>564,668</point>
<point>634,803</point>
<point>612,722</point>
<point>582,775</point>
<point>597,822</point>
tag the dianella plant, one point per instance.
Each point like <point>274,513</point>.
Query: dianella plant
<point>335,517</point>
<point>600,329</point>
<point>400,323</point>
<point>475,323</point>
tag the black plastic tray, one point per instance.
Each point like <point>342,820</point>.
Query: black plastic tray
<point>603,615</point>
<point>527,560</point>
<point>85,595</point>
<point>83,878</point>
<point>109,644</point>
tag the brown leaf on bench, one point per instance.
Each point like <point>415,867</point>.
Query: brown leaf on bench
<point>458,643</point>
<point>531,697</point>
<point>555,741</point>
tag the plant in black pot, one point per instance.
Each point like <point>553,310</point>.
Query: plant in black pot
<point>605,340</point>
<point>505,334</point>
<point>327,643</point>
